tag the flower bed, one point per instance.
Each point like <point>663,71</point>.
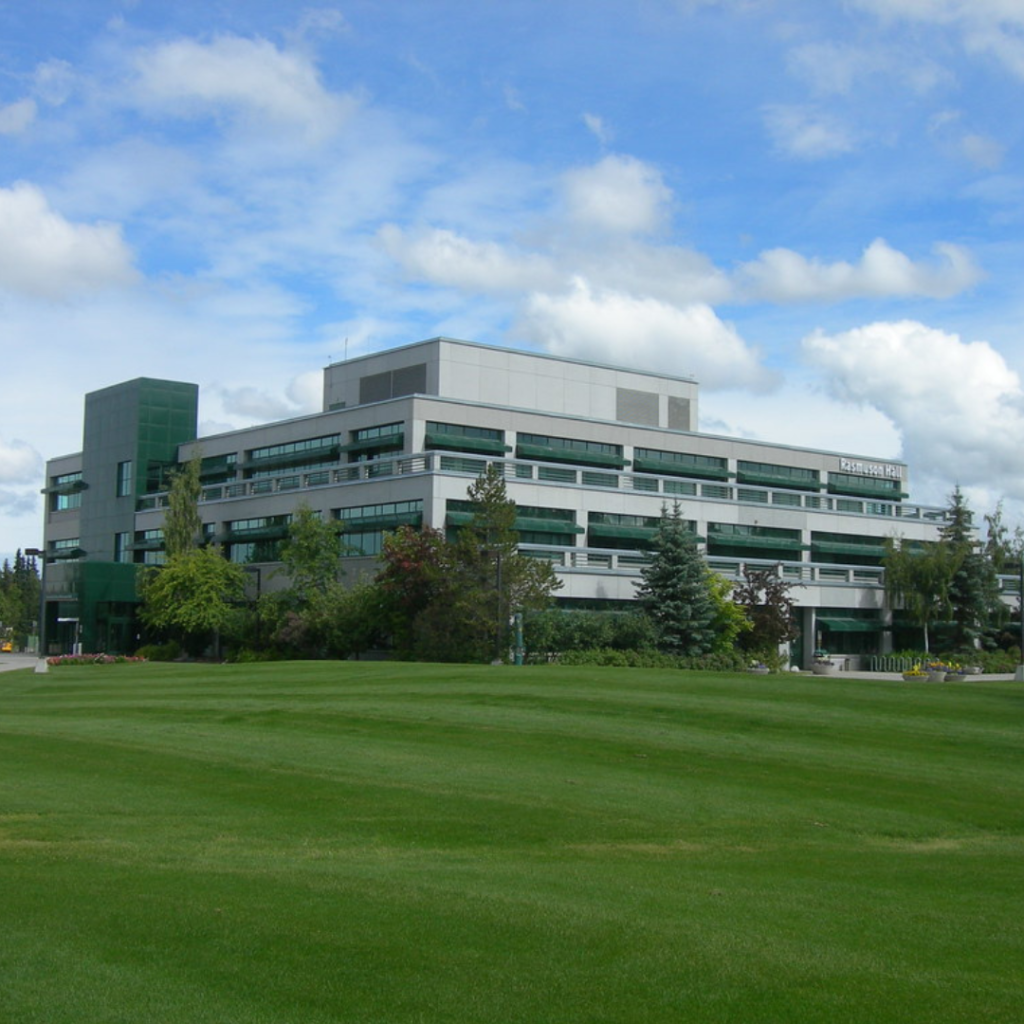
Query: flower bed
<point>91,659</point>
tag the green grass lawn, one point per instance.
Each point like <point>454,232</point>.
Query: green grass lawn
<point>404,843</point>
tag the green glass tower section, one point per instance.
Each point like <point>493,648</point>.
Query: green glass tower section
<point>131,437</point>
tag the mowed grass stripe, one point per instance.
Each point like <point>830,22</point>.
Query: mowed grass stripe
<point>410,843</point>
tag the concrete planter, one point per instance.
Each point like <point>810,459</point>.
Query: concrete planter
<point>824,668</point>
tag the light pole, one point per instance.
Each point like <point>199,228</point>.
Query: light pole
<point>41,663</point>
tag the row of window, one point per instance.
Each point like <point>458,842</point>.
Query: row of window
<point>369,443</point>
<point>259,539</point>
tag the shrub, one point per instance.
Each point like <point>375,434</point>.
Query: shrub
<point>169,651</point>
<point>730,661</point>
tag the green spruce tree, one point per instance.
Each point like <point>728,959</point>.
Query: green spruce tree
<point>674,590</point>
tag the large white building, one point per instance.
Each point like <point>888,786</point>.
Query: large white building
<point>591,455</point>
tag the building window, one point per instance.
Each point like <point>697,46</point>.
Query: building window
<point>124,479</point>
<point>369,442</point>
<point>865,486</point>
<point>294,456</point>
<point>729,540</point>
<point>122,547</point>
<point>364,526</point>
<point>543,448</point>
<point>770,475</point>
<point>67,550</point>
<point>455,437</point>
<point>66,492</point>
<point>653,460</point>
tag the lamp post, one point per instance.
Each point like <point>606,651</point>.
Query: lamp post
<point>41,663</point>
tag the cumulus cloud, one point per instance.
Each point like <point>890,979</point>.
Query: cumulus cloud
<point>16,117</point>
<point>446,258</point>
<point>20,463</point>
<point>957,405</point>
<point>254,404</point>
<point>250,78</point>
<point>626,330</point>
<point>618,194</point>
<point>18,503</point>
<point>782,275</point>
<point>987,27</point>
<point>44,255</point>
<point>806,134</point>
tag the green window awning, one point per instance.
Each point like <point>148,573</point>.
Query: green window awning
<point>641,533</point>
<point>461,443</point>
<point>666,467</point>
<point>387,442</point>
<point>531,523</point>
<point>774,480</point>
<point>385,522</point>
<point>839,624</point>
<point>868,490</point>
<point>746,541</point>
<point>835,547</point>
<point>545,453</point>
<point>263,533</point>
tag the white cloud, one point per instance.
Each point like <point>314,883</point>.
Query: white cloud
<point>617,328</point>
<point>957,405</point>
<point>782,275</point>
<point>306,391</point>
<point>446,258</point>
<point>20,463</point>
<point>513,99</point>
<point>618,194</point>
<point>18,504</point>
<point>249,77</point>
<point>982,151</point>
<point>831,67</point>
<point>253,404</point>
<point>16,117</point>
<point>806,134</point>
<point>987,27</point>
<point>597,127</point>
<point>53,81</point>
<point>44,255</point>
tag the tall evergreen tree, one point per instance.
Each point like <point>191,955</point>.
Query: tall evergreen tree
<point>674,590</point>
<point>973,589</point>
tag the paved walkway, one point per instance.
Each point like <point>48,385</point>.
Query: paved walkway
<point>13,661</point>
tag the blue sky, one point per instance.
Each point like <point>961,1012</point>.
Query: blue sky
<point>813,207</point>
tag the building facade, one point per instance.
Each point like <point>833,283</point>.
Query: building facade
<point>591,455</point>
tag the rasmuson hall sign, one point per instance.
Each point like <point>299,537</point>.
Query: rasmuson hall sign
<point>878,469</point>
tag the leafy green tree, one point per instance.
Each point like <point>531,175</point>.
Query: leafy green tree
<point>918,579</point>
<point>674,589</point>
<point>731,620</point>
<point>1003,548</point>
<point>311,554</point>
<point>764,598</point>
<point>973,589</point>
<point>490,580</point>
<point>453,601</point>
<point>193,596</point>
<point>414,566</point>
<point>183,526</point>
